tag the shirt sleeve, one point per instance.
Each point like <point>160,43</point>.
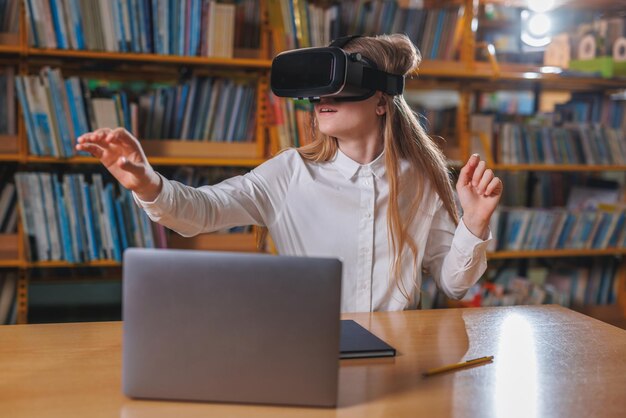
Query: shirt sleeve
<point>238,201</point>
<point>455,257</point>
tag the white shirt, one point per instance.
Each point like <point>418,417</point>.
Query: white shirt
<point>332,209</point>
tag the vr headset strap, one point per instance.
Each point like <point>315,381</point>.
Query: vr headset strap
<point>379,80</point>
<point>343,41</point>
<point>373,78</point>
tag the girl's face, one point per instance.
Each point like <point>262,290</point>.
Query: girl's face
<point>349,120</point>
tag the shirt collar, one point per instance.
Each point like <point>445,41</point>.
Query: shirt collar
<point>349,168</point>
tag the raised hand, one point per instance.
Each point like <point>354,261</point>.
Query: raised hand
<point>479,192</point>
<point>121,153</point>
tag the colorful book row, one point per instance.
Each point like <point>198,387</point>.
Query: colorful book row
<point>68,218</point>
<point>57,110</point>
<point>202,109</point>
<point>299,23</point>
<point>594,108</point>
<point>290,122</point>
<point>570,285</point>
<point>189,28</point>
<point>548,229</point>
<point>577,144</point>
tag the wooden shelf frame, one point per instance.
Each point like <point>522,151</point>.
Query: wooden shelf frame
<point>258,63</point>
<point>11,157</point>
<point>12,263</point>
<point>571,4</point>
<point>208,242</point>
<point>558,167</point>
<point>10,250</point>
<point>65,264</point>
<point>157,161</point>
<point>10,49</point>
<point>501,255</point>
<point>482,71</point>
<point>9,147</point>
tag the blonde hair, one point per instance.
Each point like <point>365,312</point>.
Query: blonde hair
<point>404,139</point>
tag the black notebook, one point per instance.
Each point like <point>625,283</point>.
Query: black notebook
<point>357,342</point>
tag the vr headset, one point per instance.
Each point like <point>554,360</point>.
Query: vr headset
<point>312,73</point>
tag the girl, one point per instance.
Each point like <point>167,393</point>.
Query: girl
<point>372,189</point>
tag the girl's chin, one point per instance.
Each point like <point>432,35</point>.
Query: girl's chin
<point>327,130</point>
<point>332,134</point>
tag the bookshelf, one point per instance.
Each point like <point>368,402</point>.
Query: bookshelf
<point>10,253</point>
<point>258,63</point>
<point>461,71</point>
<point>469,76</point>
<point>542,80</point>
<point>249,62</point>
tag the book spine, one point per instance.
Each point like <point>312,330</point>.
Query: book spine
<point>88,216</point>
<point>59,24</point>
<point>63,221</point>
<point>31,130</point>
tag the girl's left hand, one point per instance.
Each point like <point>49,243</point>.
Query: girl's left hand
<point>479,192</point>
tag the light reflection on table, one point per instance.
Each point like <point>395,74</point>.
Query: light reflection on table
<point>517,382</point>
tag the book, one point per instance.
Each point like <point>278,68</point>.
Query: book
<point>8,285</point>
<point>358,342</point>
<point>105,113</point>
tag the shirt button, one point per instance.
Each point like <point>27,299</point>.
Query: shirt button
<point>366,182</point>
<point>368,215</point>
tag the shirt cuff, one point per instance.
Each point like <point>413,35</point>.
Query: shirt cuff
<point>163,199</point>
<point>467,243</point>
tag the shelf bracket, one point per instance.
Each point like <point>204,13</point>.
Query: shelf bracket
<point>491,54</point>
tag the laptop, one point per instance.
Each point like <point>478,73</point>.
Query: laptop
<point>230,327</point>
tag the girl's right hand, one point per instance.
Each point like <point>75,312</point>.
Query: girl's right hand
<point>120,152</point>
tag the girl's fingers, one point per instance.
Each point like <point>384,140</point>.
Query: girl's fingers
<point>465,176</point>
<point>478,173</point>
<point>124,139</point>
<point>485,180</point>
<point>91,148</point>
<point>95,137</point>
<point>495,185</point>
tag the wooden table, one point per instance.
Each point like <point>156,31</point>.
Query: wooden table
<point>549,361</point>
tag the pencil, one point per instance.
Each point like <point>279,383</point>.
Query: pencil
<point>467,363</point>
